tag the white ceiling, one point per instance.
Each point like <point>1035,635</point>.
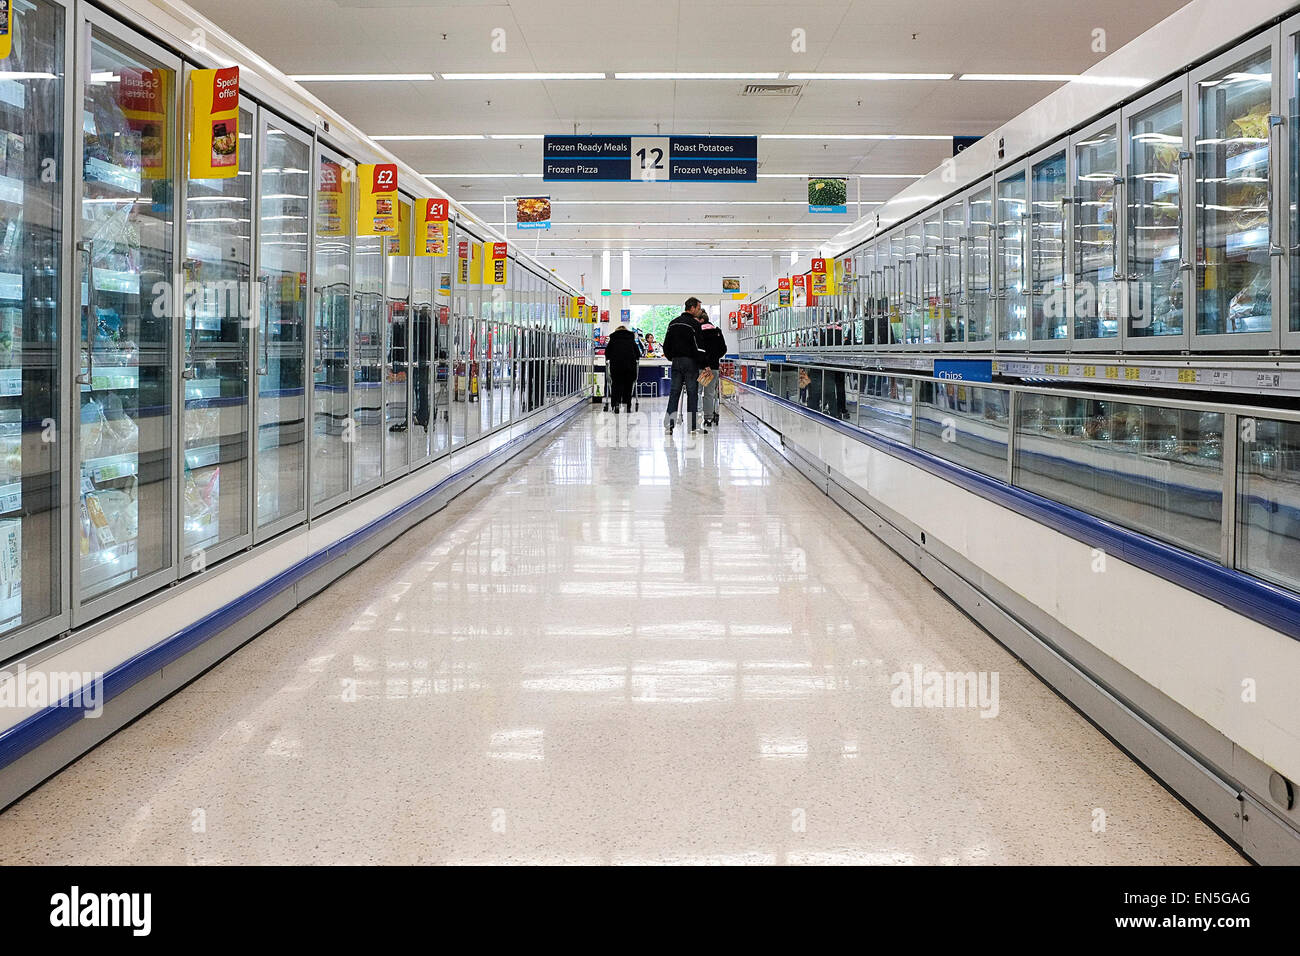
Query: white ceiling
<point>607,36</point>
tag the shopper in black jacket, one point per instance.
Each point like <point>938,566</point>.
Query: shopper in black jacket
<point>621,355</point>
<point>715,346</point>
<point>682,347</point>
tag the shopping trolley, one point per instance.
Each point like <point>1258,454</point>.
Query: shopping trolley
<point>636,395</point>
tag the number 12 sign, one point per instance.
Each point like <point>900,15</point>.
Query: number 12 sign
<point>650,158</point>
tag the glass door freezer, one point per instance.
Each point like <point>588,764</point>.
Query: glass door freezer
<point>35,217</point>
<point>1239,233</point>
<point>128,100</point>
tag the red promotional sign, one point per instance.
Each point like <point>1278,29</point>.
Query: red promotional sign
<point>462,249</point>
<point>225,90</point>
<point>798,282</point>
<point>498,250</point>
<point>819,265</point>
<point>783,284</point>
<point>582,300</point>
<point>436,210</point>
<point>385,178</point>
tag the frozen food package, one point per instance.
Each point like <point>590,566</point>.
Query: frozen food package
<point>86,533</point>
<point>92,429</point>
<point>101,534</point>
<point>197,513</point>
<point>121,435</point>
<point>10,556</point>
<point>212,489</point>
<point>119,514</point>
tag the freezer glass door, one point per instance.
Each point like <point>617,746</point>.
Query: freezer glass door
<point>1156,252</point>
<point>932,301</point>
<point>1012,214</point>
<point>952,292</point>
<point>1234,218</point>
<point>284,194</point>
<point>367,362</point>
<point>218,319</point>
<point>442,330</point>
<point>913,285</point>
<point>397,268</point>
<point>1096,240</point>
<point>1046,292</point>
<point>124,447</point>
<point>979,270</point>
<point>31,299</point>
<point>421,358</point>
<point>331,363</point>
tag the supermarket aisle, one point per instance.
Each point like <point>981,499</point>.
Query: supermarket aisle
<point>665,653</point>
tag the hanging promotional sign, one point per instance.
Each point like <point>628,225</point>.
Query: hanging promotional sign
<point>733,320</point>
<point>432,234</point>
<point>823,278</point>
<point>143,96</point>
<point>213,123</point>
<point>533,212</point>
<point>494,263</point>
<point>783,292</point>
<point>470,256</point>
<point>798,291</point>
<point>828,195</point>
<point>576,306</point>
<point>332,200</point>
<point>377,199</point>
<point>731,284</point>
<point>6,28</point>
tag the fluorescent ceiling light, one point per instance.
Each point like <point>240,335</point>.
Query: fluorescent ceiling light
<point>96,77</point>
<point>1021,77</point>
<point>359,77</point>
<point>855,136</point>
<point>870,76</point>
<point>678,202</point>
<point>522,76</point>
<point>712,225</point>
<point>697,76</point>
<point>482,175</point>
<point>516,136</point>
<point>423,137</point>
<point>785,241</point>
<point>889,175</point>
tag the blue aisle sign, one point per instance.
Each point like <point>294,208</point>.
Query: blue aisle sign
<point>650,159</point>
<point>625,315</point>
<point>964,370</point>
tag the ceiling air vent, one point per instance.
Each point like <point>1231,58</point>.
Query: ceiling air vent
<point>772,89</point>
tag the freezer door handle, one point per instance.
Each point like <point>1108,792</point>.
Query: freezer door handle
<point>1274,122</point>
<point>92,312</point>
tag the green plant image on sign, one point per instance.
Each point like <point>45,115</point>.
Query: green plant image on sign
<point>827,192</point>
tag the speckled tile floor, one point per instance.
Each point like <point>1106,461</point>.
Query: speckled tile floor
<point>613,652</point>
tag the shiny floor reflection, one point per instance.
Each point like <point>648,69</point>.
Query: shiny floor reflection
<point>623,649</point>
